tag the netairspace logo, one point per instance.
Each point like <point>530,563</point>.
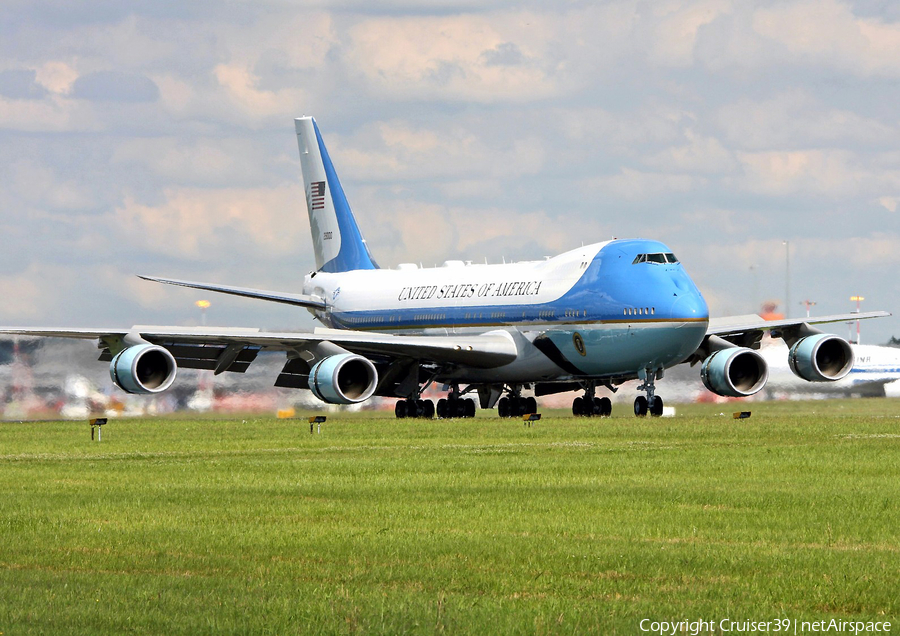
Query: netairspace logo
<point>782,625</point>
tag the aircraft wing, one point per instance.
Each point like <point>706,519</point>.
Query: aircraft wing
<point>300,300</point>
<point>748,329</point>
<point>233,349</point>
<point>753,322</point>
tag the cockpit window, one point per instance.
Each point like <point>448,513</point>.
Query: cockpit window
<point>658,257</point>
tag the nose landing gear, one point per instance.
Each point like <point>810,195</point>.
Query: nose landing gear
<point>652,404</point>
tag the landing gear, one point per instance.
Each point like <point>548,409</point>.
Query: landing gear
<point>423,409</point>
<point>590,405</point>
<point>455,406</point>
<point>652,404</point>
<point>515,406</point>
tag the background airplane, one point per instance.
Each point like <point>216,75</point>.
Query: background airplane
<point>593,317</point>
<point>875,373</point>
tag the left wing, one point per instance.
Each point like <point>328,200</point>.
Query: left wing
<point>233,349</point>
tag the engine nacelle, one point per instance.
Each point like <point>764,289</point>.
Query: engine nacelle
<point>344,378</point>
<point>143,368</point>
<point>734,372</point>
<point>821,358</point>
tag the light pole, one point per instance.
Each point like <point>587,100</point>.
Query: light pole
<point>807,304</point>
<point>858,300</point>
<point>203,305</point>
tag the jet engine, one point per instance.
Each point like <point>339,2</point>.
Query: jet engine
<point>344,378</point>
<point>734,372</point>
<point>821,358</point>
<point>143,368</point>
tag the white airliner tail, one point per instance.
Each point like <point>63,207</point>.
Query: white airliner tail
<point>338,243</point>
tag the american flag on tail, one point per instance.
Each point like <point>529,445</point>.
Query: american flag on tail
<point>317,195</point>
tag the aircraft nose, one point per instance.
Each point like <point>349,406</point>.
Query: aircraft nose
<point>690,305</point>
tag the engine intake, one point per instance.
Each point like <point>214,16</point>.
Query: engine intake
<point>345,378</point>
<point>143,368</point>
<point>821,358</point>
<point>734,372</point>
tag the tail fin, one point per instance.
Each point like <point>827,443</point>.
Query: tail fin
<point>337,241</point>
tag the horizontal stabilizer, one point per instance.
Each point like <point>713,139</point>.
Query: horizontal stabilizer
<point>300,300</point>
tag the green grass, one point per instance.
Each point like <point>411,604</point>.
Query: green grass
<point>463,526</point>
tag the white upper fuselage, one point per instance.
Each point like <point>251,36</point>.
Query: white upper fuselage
<point>594,311</point>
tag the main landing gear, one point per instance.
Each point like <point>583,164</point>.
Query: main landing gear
<point>515,406</point>
<point>652,404</point>
<point>590,405</point>
<point>423,409</point>
<point>450,407</point>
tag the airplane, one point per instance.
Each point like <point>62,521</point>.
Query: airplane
<point>875,373</point>
<point>595,316</point>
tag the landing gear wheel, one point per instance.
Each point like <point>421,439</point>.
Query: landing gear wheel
<point>442,408</point>
<point>400,409</point>
<point>428,409</point>
<point>469,410</point>
<point>503,407</point>
<point>577,406</point>
<point>530,405</point>
<point>656,406</point>
<point>605,407</point>
<point>640,406</point>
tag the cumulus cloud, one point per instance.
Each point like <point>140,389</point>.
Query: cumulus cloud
<point>115,86</point>
<point>191,222</point>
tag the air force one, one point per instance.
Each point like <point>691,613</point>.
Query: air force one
<point>593,317</point>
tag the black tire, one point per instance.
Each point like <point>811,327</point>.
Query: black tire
<point>400,409</point>
<point>640,406</point>
<point>656,406</point>
<point>503,407</point>
<point>428,411</point>
<point>597,407</point>
<point>530,405</point>
<point>605,407</point>
<point>469,408</point>
<point>442,408</point>
<point>577,406</point>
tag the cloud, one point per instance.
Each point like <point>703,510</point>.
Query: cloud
<point>115,86</point>
<point>456,58</point>
<point>796,119</point>
<point>20,84</point>
<point>193,223</point>
<point>394,150</point>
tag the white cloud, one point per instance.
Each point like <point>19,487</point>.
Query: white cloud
<point>796,119</point>
<point>196,223</point>
<point>456,58</point>
<point>395,150</point>
<point>827,31</point>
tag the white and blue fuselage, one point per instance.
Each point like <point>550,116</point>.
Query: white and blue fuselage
<point>606,310</point>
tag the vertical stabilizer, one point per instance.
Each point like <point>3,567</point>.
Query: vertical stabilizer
<point>337,241</point>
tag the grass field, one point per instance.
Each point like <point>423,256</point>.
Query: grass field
<point>463,526</point>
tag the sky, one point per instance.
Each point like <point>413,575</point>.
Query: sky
<point>155,137</point>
